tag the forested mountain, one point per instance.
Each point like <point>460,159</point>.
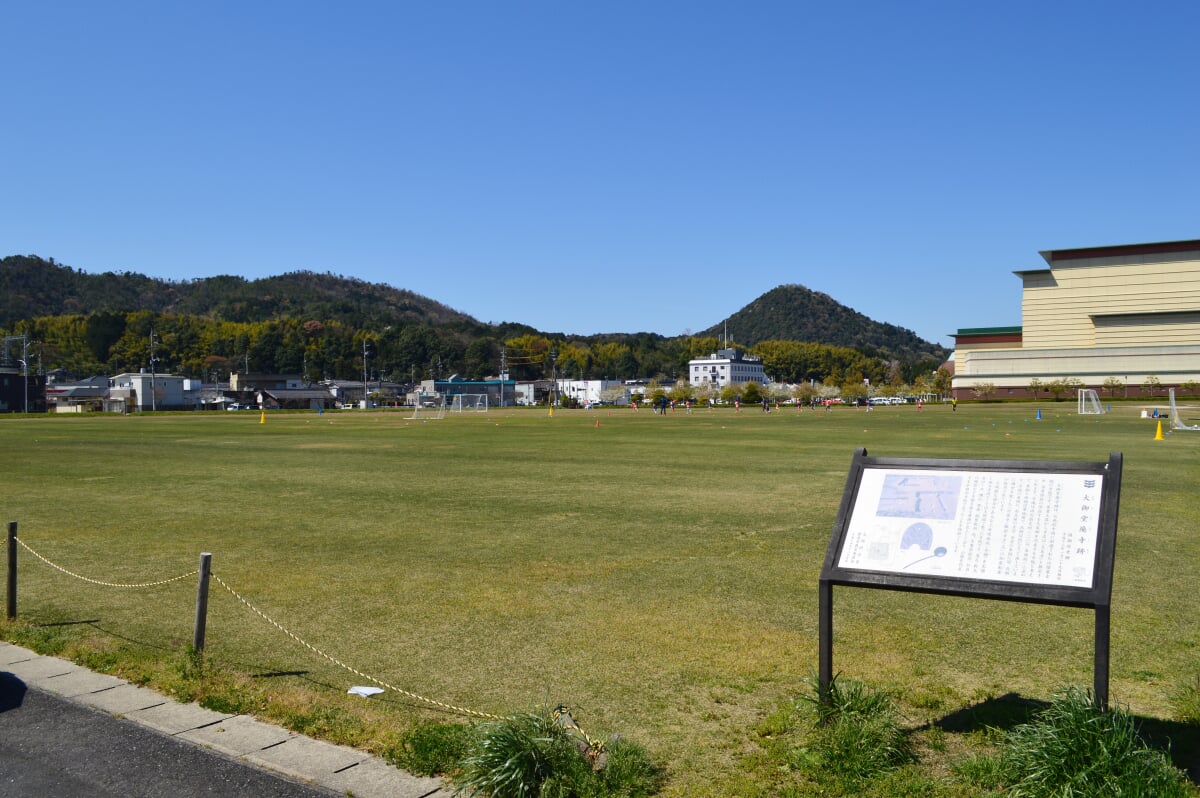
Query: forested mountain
<point>31,287</point>
<point>327,326</point>
<point>796,313</point>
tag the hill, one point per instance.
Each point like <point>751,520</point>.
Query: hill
<point>31,287</point>
<point>281,315</point>
<point>795,313</point>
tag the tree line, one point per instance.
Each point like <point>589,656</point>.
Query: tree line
<point>81,345</point>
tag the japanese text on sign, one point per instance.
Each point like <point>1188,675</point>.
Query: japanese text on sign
<point>1004,526</point>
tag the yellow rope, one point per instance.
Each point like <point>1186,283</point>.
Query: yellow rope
<point>99,582</point>
<point>339,663</point>
<point>558,712</point>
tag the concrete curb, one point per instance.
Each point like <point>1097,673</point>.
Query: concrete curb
<point>342,770</point>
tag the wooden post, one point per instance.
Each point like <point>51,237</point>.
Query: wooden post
<point>202,602</point>
<point>12,570</point>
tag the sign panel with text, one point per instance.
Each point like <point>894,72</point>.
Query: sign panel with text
<point>1036,531</point>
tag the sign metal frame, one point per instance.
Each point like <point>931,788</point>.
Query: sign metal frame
<point>1096,596</point>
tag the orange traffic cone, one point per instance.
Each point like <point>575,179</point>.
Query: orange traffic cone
<point>597,423</point>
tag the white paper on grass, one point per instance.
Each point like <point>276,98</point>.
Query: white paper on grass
<point>365,692</point>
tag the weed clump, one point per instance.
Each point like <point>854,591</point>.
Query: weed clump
<point>1073,749</point>
<point>534,755</point>
<point>855,736</point>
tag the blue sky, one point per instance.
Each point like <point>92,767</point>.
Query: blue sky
<point>604,167</point>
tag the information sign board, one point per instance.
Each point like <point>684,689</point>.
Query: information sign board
<point>1033,531</point>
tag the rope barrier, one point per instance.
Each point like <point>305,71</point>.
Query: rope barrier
<point>430,701</point>
<point>560,714</point>
<point>57,567</point>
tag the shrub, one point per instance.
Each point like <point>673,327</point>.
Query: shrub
<point>856,736</point>
<point>534,756</point>
<point>1073,749</point>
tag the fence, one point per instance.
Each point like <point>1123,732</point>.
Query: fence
<point>205,575</point>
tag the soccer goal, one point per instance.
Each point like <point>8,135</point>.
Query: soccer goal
<point>469,403</point>
<point>1089,403</point>
<point>1176,419</point>
<point>429,409</point>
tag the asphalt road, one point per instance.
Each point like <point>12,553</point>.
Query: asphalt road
<point>53,748</point>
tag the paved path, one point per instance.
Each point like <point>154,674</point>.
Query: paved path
<point>65,731</point>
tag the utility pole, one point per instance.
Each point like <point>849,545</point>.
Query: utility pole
<point>25,368</point>
<point>503,375</point>
<point>153,401</point>
<point>553,377</point>
<point>364,372</point>
<point>23,360</point>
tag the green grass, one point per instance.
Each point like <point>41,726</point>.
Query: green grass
<point>658,574</point>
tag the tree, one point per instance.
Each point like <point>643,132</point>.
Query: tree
<point>942,381</point>
<point>573,360</point>
<point>853,391</point>
<point>482,358</point>
<point>705,392</point>
<point>1057,387</point>
<point>779,392</point>
<point>1151,384</point>
<point>214,367</point>
<point>804,393</point>
<point>1035,387</point>
<point>1112,385</point>
<point>1189,387</point>
<point>610,360</point>
<point>682,391</point>
<point>102,330</point>
<point>528,356</point>
<point>984,390</point>
<point>653,390</point>
<point>751,393</point>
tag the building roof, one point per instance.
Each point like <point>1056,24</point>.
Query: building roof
<point>988,331</point>
<point>297,394</point>
<point>1120,250</point>
<point>76,391</point>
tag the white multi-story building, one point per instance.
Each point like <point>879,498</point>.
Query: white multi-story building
<point>726,366</point>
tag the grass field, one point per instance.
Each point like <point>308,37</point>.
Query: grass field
<point>658,574</point>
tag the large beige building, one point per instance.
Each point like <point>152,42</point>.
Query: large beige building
<point>1129,312</point>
